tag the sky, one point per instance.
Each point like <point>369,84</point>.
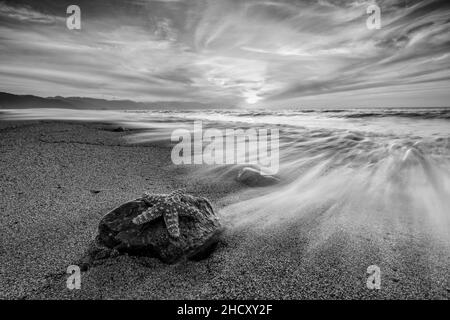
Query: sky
<point>234,53</point>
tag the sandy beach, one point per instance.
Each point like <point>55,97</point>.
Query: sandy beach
<point>59,178</point>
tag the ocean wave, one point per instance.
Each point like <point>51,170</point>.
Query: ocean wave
<point>420,114</point>
<point>358,166</point>
<point>426,113</point>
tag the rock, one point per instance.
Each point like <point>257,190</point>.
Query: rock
<point>119,129</point>
<point>169,227</point>
<point>254,178</point>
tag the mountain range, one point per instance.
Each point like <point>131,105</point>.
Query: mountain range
<point>12,101</point>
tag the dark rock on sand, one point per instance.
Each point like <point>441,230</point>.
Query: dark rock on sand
<point>254,178</point>
<point>119,129</point>
<point>169,227</point>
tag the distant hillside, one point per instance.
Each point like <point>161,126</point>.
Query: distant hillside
<point>12,101</point>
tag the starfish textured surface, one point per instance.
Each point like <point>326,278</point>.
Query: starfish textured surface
<point>170,207</point>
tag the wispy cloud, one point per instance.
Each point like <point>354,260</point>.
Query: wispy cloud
<point>25,14</point>
<point>281,53</point>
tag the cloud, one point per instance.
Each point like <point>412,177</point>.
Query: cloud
<point>228,52</point>
<point>25,14</point>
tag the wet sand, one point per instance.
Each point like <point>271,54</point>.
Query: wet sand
<point>59,178</point>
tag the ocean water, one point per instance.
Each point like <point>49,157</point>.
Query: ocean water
<point>383,169</point>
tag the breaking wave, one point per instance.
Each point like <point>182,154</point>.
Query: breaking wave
<point>385,168</point>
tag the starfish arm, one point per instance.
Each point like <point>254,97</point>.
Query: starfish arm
<point>178,192</point>
<point>148,215</point>
<point>186,210</point>
<point>171,220</point>
<point>151,198</point>
<point>177,195</point>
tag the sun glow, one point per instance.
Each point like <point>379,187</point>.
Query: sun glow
<point>252,97</point>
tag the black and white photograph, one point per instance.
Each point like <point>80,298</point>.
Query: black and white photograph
<point>224,150</point>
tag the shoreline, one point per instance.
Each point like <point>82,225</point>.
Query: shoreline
<point>59,178</point>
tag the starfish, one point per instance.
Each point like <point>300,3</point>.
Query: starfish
<point>170,207</point>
